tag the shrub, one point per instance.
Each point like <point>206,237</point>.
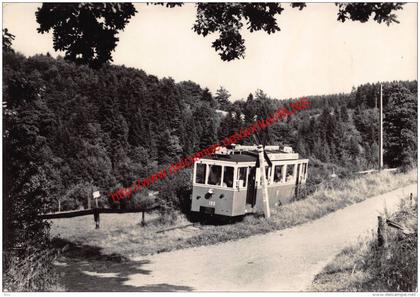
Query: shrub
<point>175,191</point>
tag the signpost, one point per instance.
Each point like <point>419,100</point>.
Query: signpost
<point>96,195</point>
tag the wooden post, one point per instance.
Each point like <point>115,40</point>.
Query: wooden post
<point>381,232</point>
<point>96,217</point>
<point>143,221</point>
<point>381,133</point>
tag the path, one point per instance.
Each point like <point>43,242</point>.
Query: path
<point>285,260</point>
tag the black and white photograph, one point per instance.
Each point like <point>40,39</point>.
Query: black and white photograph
<point>210,147</point>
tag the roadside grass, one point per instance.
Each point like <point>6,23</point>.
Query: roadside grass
<point>32,272</point>
<point>364,267</point>
<point>123,234</point>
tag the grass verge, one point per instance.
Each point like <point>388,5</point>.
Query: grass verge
<point>124,235</point>
<point>31,272</point>
<point>364,267</point>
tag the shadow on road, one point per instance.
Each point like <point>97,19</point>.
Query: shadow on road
<point>84,268</point>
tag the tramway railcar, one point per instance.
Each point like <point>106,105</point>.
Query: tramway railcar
<point>230,183</point>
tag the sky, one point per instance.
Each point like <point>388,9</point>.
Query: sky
<point>313,54</point>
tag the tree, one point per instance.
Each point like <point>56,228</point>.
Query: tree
<point>7,40</point>
<point>168,147</point>
<point>227,20</point>
<point>208,97</point>
<point>400,126</point>
<point>87,31</point>
<point>222,98</point>
<point>362,11</point>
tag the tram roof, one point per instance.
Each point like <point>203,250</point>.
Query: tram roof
<point>233,158</point>
<point>252,156</point>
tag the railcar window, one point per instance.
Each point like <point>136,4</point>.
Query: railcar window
<point>289,172</point>
<point>228,177</point>
<point>278,177</point>
<point>200,175</point>
<point>242,176</point>
<point>215,175</point>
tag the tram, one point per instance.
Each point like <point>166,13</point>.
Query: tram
<point>230,183</point>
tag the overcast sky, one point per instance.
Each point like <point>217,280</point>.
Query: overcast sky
<point>312,54</point>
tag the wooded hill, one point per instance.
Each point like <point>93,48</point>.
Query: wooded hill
<point>69,128</point>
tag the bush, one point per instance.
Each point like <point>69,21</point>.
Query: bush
<point>175,191</point>
<point>142,199</point>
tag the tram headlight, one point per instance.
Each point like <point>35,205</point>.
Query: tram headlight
<point>209,194</point>
<point>198,197</point>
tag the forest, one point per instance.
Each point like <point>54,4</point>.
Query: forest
<point>69,129</point>
<point>77,124</point>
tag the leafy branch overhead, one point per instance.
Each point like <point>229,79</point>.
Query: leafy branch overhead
<point>87,32</point>
<point>7,40</point>
<point>383,12</point>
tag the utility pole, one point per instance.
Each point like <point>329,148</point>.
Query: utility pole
<point>265,201</point>
<point>381,133</point>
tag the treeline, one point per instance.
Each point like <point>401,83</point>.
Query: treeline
<point>342,129</point>
<point>102,128</point>
<point>69,129</point>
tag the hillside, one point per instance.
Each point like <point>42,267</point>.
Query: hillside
<point>77,128</point>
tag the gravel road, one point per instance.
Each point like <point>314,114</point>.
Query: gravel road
<point>285,260</point>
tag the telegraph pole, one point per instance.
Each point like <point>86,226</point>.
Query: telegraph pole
<point>381,133</point>
<point>266,203</point>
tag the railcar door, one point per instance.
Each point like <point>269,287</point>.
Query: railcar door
<point>250,195</point>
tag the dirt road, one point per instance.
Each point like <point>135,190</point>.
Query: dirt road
<point>285,260</point>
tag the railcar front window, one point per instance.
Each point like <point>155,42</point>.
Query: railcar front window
<point>278,177</point>
<point>242,176</point>
<point>200,176</point>
<point>228,177</point>
<point>215,175</point>
<point>289,172</point>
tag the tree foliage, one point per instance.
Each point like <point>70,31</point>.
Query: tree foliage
<point>75,127</point>
<point>7,40</point>
<point>87,32</point>
<point>222,98</point>
<point>382,12</point>
<point>401,128</point>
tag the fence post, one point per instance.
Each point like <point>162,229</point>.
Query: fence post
<point>96,217</point>
<point>143,221</point>
<point>381,232</point>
